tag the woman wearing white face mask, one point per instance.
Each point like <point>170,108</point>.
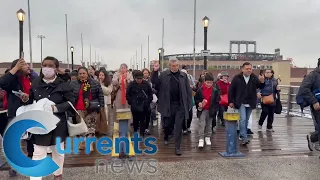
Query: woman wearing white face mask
<point>49,85</point>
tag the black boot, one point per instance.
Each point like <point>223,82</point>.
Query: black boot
<point>178,152</point>
<point>12,173</point>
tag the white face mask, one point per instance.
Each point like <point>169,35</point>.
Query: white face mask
<point>48,72</point>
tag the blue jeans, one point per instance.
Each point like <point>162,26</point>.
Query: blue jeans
<point>245,113</point>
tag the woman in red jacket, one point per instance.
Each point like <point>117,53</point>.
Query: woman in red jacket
<point>224,85</point>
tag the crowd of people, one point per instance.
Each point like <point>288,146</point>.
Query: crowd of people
<point>173,93</point>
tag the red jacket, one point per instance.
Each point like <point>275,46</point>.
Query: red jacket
<point>224,87</point>
<point>4,100</point>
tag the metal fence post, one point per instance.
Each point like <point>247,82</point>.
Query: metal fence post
<point>289,105</point>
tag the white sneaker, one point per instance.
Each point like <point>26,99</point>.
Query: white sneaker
<point>155,123</point>
<point>208,142</point>
<point>201,143</point>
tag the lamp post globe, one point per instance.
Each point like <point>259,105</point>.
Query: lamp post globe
<point>21,17</point>
<point>160,54</point>
<point>205,21</point>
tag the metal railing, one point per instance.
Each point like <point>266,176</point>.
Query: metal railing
<point>289,104</point>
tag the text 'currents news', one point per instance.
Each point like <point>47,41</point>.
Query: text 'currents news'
<point>104,144</point>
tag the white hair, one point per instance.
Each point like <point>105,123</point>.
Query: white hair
<point>173,60</point>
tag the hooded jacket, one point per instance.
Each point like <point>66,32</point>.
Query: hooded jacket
<point>310,86</point>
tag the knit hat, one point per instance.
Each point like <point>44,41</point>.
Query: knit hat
<point>224,73</point>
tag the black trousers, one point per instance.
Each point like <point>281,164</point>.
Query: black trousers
<point>139,122</point>
<point>147,119</point>
<point>175,121</point>
<point>29,142</point>
<point>214,120</point>
<point>267,110</point>
<point>189,120</point>
<point>3,123</point>
<point>316,115</point>
<point>222,109</point>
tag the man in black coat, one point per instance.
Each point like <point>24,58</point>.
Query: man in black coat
<point>242,95</point>
<point>19,78</point>
<point>309,90</point>
<point>174,99</point>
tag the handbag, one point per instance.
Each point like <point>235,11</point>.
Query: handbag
<point>224,100</point>
<point>79,128</point>
<point>94,106</point>
<point>268,100</point>
<point>102,122</point>
<point>278,108</point>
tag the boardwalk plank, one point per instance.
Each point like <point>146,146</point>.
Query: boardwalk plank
<point>289,139</point>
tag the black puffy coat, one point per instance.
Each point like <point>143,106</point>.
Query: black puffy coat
<point>9,83</point>
<point>60,92</point>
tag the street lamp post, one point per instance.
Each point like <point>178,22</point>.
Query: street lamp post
<point>72,50</point>
<point>144,62</point>
<point>137,66</point>
<point>20,16</point>
<point>205,22</point>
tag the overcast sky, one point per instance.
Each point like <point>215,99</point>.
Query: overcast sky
<point>117,28</point>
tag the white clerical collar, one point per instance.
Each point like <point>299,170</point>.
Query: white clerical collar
<point>49,81</point>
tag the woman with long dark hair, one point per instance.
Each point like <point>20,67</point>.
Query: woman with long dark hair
<point>50,85</point>
<point>92,71</point>
<point>268,94</point>
<point>89,101</point>
<point>19,78</point>
<point>105,82</point>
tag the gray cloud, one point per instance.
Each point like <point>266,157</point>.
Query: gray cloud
<point>116,29</point>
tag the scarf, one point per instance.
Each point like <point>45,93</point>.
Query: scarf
<point>123,90</point>
<point>85,86</point>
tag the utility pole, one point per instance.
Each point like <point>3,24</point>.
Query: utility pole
<point>90,55</point>
<point>30,39</point>
<point>67,41</point>
<point>148,53</point>
<point>162,44</point>
<point>194,38</point>
<point>141,58</point>
<point>81,49</point>
<point>41,38</point>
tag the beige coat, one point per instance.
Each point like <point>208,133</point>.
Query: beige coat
<point>107,93</point>
<point>116,82</point>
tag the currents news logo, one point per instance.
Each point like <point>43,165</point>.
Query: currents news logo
<point>37,122</point>
<point>41,122</point>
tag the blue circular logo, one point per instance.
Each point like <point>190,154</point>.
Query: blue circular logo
<point>35,122</point>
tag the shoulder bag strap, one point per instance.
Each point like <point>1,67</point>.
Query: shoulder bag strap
<point>144,93</point>
<point>74,108</point>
